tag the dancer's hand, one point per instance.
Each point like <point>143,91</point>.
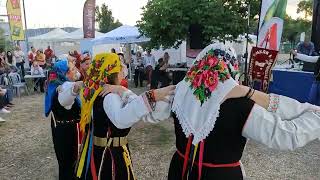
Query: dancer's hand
<point>294,52</point>
<point>162,93</point>
<point>117,89</point>
<point>77,86</point>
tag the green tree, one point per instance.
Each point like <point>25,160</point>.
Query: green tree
<point>105,19</point>
<point>167,22</point>
<point>305,7</point>
<point>294,27</point>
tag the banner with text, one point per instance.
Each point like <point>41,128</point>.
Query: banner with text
<point>15,20</point>
<point>89,11</point>
<point>271,23</point>
<point>261,62</point>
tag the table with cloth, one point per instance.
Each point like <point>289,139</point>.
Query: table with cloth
<point>32,80</point>
<point>292,83</point>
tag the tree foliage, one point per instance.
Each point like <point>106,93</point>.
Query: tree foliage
<point>293,27</point>
<point>105,19</point>
<point>305,7</point>
<point>167,22</point>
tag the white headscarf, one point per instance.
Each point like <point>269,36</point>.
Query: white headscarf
<point>198,118</point>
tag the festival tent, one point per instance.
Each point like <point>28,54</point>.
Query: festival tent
<point>51,36</point>
<point>54,39</point>
<point>78,35</point>
<point>122,35</point>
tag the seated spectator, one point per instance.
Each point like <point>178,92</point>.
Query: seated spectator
<point>10,60</point>
<point>5,101</point>
<point>306,47</point>
<point>40,58</point>
<point>36,70</point>
<point>159,75</point>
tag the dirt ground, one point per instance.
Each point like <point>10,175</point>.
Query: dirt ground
<point>26,150</point>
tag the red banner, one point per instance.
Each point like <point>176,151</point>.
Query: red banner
<point>89,11</point>
<point>261,62</point>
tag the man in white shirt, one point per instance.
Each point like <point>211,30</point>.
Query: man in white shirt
<point>19,56</point>
<point>150,64</point>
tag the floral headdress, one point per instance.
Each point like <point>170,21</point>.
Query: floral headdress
<point>205,75</point>
<point>101,67</point>
<point>198,98</point>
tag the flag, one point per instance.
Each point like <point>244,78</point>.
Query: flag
<point>271,23</point>
<point>261,62</point>
<point>15,20</point>
<point>89,11</point>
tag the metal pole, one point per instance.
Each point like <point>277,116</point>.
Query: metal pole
<point>247,47</point>
<point>315,38</point>
<point>25,23</point>
<point>258,29</point>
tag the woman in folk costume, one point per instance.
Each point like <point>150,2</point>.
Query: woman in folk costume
<point>211,138</point>
<point>105,153</point>
<point>64,117</point>
<point>83,64</point>
<point>212,125</point>
<point>314,96</point>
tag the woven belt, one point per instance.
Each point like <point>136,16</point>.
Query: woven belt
<point>108,142</point>
<point>211,165</point>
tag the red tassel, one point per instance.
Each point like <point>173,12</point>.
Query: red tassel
<point>200,159</point>
<point>93,167</point>
<point>186,156</point>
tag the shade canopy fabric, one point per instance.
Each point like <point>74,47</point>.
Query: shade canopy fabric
<point>78,35</point>
<point>123,34</point>
<point>50,36</point>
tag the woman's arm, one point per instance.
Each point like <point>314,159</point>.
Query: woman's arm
<point>272,130</point>
<point>259,97</point>
<point>306,58</point>
<point>129,108</point>
<point>125,115</point>
<point>67,93</point>
<point>285,107</point>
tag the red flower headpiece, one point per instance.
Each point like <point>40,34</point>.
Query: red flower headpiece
<point>205,75</point>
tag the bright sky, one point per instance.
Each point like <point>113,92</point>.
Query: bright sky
<point>60,13</point>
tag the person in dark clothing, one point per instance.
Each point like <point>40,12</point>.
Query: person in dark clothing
<point>159,75</point>
<point>9,58</point>
<point>138,70</point>
<point>64,117</point>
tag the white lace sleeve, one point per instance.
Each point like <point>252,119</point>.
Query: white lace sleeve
<point>288,108</point>
<point>275,132</point>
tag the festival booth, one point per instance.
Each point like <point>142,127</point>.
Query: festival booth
<point>61,41</point>
<point>58,39</point>
<point>127,36</point>
<point>292,82</point>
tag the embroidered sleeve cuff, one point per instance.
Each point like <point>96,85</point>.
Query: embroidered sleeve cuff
<point>146,102</point>
<point>273,103</point>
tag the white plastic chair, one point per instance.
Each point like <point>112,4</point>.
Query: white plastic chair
<point>15,82</point>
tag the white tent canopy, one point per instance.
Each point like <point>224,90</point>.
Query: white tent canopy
<point>78,35</point>
<point>50,36</point>
<point>123,34</point>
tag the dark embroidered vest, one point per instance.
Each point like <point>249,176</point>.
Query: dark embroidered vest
<point>62,114</point>
<point>225,143</point>
<point>102,124</point>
